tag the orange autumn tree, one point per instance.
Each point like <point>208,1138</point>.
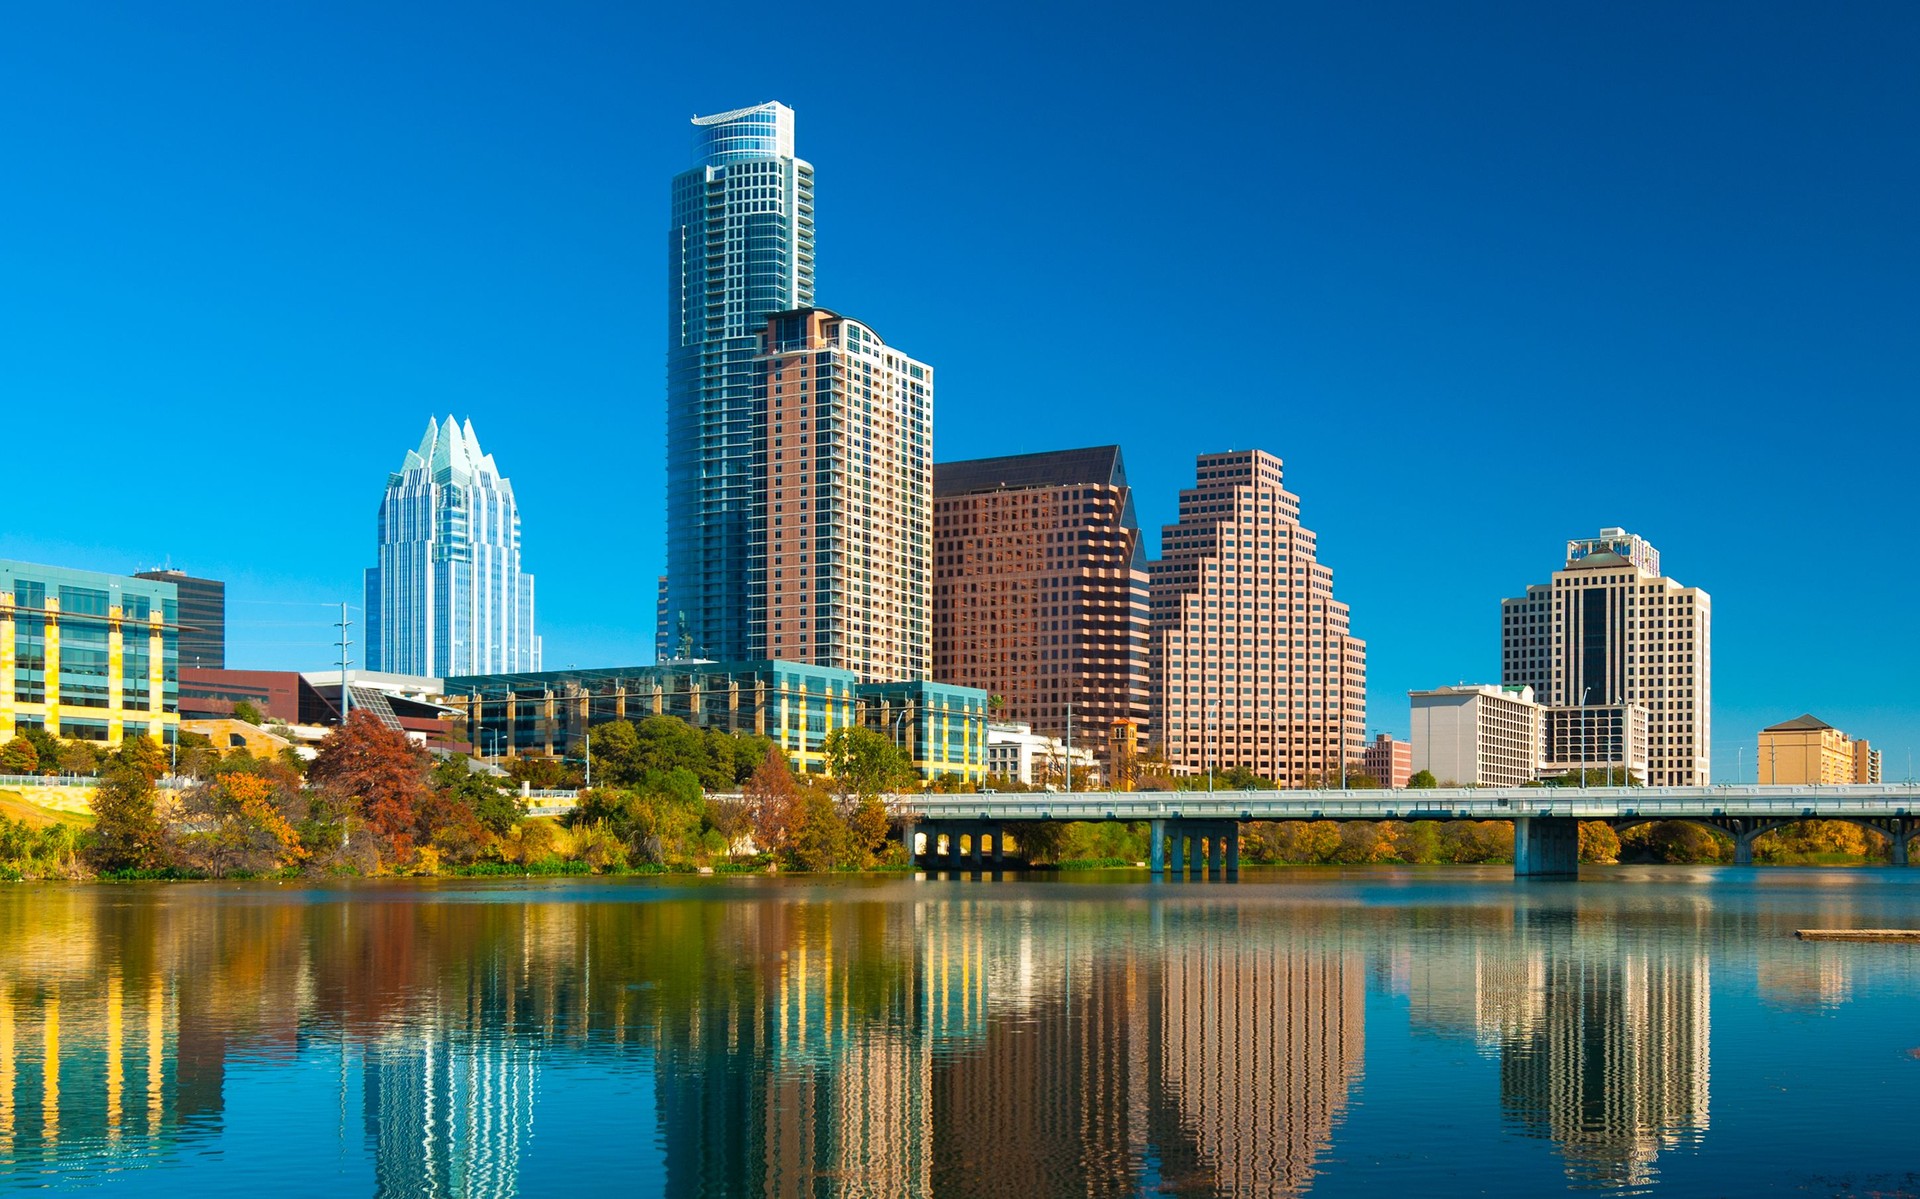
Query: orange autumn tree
<point>234,824</point>
<point>373,772</point>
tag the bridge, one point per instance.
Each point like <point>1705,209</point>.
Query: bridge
<point>1200,830</point>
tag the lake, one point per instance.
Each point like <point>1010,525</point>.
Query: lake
<point>1382,1031</point>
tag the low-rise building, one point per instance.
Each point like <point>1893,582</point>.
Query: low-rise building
<point>1808,750</point>
<point>1387,761</point>
<point>1598,740</point>
<point>1481,736</point>
<point>941,727</point>
<point>87,656</point>
<point>1017,754</point>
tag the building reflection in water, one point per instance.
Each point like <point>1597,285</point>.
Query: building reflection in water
<point>904,1041</point>
<point>1009,1048</point>
<point>1600,1030</point>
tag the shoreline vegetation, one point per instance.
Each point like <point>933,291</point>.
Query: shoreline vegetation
<point>374,805</point>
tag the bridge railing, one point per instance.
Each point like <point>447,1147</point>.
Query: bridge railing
<point>1602,803</point>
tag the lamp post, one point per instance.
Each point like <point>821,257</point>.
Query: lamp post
<point>1213,706</point>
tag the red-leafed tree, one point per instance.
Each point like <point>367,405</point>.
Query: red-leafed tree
<point>381,776</point>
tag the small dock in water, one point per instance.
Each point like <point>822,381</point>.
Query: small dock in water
<point>1859,934</point>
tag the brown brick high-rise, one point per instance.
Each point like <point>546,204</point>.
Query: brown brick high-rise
<point>1040,589</point>
<point>1251,661</point>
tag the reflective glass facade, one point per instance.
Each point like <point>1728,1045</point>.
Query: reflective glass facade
<point>448,595</point>
<point>87,656</point>
<point>739,249</point>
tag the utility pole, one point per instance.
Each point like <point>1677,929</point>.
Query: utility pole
<point>346,700</point>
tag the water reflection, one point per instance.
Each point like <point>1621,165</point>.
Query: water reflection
<point>885,1040</point>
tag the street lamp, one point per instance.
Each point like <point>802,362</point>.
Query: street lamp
<point>1583,737</point>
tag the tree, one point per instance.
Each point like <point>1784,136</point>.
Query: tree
<point>143,755</point>
<point>869,827</point>
<point>79,757</point>
<point>46,746</point>
<point>819,838</point>
<point>771,800</point>
<point>866,764</point>
<point>1422,780</point>
<point>379,774</point>
<point>492,805</point>
<point>127,834</point>
<point>240,824</point>
<point>247,713</point>
<point>19,757</point>
<point>1598,842</point>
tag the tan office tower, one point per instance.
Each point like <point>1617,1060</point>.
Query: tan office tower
<point>842,550</point>
<point>1610,629</point>
<point>1040,591</point>
<point>1250,660</point>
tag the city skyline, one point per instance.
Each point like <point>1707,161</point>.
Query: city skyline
<point>1654,319</point>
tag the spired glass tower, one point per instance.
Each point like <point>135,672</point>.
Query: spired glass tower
<point>448,596</point>
<point>739,250</point>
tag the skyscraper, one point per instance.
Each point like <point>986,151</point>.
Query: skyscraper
<point>841,546</point>
<point>740,248</point>
<point>1611,630</point>
<point>1040,589</point>
<point>1252,663</point>
<point>203,618</point>
<point>447,596</point>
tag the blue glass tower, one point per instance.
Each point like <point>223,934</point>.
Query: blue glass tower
<point>740,249</point>
<point>448,596</point>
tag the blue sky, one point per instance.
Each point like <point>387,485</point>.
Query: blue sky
<point>1486,276</point>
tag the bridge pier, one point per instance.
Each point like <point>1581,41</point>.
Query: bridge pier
<point>1198,847</point>
<point>1546,847</point>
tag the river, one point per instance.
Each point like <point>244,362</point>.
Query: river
<point>1388,1031</point>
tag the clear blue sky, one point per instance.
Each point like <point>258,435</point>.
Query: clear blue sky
<point>1486,276</point>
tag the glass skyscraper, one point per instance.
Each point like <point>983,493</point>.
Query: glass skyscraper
<point>448,596</point>
<point>739,250</point>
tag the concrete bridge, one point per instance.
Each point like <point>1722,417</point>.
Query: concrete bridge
<point>1200,830</point>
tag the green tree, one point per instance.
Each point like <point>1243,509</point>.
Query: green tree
<point>247,712</point>
<point>866,764</point>
<point>127,833</point>
<point>495,807</point>
<point>19,757</point>
<point>1422,780</point>
<point>143,755</point>
<point>820,839</point>
<point>1040,840</point>
<point>46,746</point>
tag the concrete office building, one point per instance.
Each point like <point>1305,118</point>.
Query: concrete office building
<point>1040,591</point>
<point>203,617</point>
<point>447,595</point>
<point>1477,736</point>
<point>1387,761</point>
<point>88,656</point>
<point>1251,662</point>
<point>1599,740</point>
<point>739,249</point>
<point>841,546</point>
<point>1610,629</point>
<point>1808,751</point>
<point>1017,754</point>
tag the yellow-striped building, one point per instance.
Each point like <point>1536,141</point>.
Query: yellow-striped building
<point>87,656</point>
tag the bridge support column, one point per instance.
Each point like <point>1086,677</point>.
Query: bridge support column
<point>1546,847</point>
<point>1157,846</point>
<point>1179,848</point>
<point>999,846</point>
<point>973,847</point>
<point>1233,849</point>
<point>1216,849</point>
<point>1898,830</point>
<point>1743,848</point>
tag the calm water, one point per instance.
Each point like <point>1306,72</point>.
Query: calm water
<point>1361,1033</point>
